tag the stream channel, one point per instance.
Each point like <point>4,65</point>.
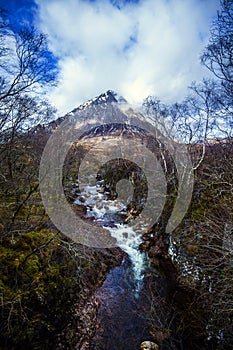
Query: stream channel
<point>124,300</point>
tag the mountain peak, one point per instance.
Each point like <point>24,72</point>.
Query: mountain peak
<point>109,96</point>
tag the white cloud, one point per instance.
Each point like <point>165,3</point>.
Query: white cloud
<point>150,47</point>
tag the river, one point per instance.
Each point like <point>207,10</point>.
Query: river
<point>124,304</point>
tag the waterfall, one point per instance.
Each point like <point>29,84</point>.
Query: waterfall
<point>109,214</point>
<point>129,240</point>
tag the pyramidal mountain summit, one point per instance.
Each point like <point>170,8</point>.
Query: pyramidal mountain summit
<point>108,97</point>
<point>107,108</point>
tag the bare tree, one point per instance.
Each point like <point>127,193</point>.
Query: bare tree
<point>218,55</point>
<point>26,71</point>
<point>201,246</point>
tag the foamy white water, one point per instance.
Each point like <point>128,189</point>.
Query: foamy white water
<point>127,238</point>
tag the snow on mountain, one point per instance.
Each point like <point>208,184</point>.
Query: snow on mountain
<point>109,96</point>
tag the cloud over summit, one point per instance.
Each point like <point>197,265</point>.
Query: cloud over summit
<point>138,48</point>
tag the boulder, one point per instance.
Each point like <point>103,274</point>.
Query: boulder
<point>79,209</point>
<point>155,252</point>
<point>149,345</point>
<point>144,246</point>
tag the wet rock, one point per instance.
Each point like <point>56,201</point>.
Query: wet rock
<point>119,217</point>
<point>89,218</point>
<point>107,193</point>
<point>80,209</point>
<point>101,190</point>
<point>155,252</point>
<point>99,205</point>
<point>82,199</point>
<point>100,182</point>
<point>150,236</point>
<point>149,345</point>
<point>144,246</point>
<point>146,237</point>
<point>76,192</point>
<point>125,234</point>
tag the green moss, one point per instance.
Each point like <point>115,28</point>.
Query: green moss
<point>41,281</point>
<point>38,286</point>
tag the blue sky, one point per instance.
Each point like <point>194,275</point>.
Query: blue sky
<point>136,47</point>
<point>20,11</point>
